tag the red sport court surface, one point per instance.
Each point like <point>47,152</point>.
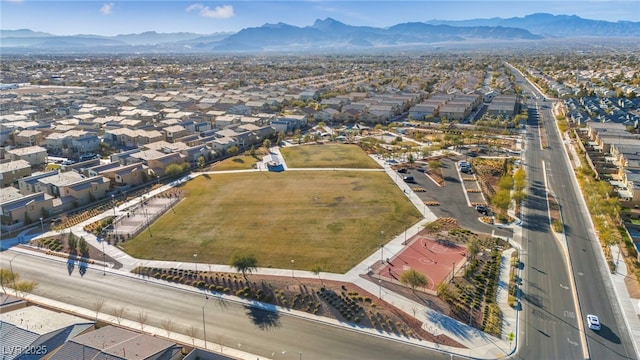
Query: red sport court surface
<point>433,258</point>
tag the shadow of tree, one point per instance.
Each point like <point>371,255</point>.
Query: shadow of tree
<point>452,325</point>
<point>263,319</point>
<point>71,263</point>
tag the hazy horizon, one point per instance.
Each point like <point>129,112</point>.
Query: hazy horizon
<point>109,18</point>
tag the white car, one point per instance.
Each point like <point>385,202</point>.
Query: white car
<point>593,321</point>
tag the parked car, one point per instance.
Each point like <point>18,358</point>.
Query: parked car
<point>593,322</point>
<point>402,170</point>
<point>484,210</point>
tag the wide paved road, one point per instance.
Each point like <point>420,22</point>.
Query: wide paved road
<point>593,282</point>
<point>232,324</point>
<point>551,284</point>
<point>548,309</point>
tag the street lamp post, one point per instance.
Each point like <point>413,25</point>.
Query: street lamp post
<point>13,275</point>
<point>293,264</point>
<point>299,353</point>
<point>382,247</point>
<point>115,229</point>
<point>379,289</point>
<point>41,225</point>
<point>204,326</point>
<point>195,257</point>
<point>104,258</point>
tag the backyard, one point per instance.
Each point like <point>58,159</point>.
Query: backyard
<point>328,219</point>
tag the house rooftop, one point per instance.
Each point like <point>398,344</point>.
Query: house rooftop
<point>40,320</point>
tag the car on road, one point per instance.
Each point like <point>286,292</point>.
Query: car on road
<point>484,210</point>
<point>593,322</point>
<point>409,179</point>
<point>402,171</point>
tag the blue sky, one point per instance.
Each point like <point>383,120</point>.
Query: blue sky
<point>205,17</point>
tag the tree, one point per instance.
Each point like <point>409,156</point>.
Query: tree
<point>192,332</point>
<point>244,264</point>
<point>267,144</point>
<point>97,306</point>
<point>502,200</point>
<point>411,159</point>
<point>519,196</point>
<point>173,169</point>
<point>519,179</point>
<point>25,287</point>
<point>434,164</point>
<point>413,279</point>
<point>473,248</point>
<point>505,183</point>
<point>201,162</point>
<point>168,325</point>
<point>280,137</point>
<point>119,313</point>
<point>72,241</point>
<point>7,278</point>
<point>84,246</point>
<point>232,149</point>
<point>142,319</point>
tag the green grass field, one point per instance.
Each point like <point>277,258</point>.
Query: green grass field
<point>328,156</point>
<point>332,219</point>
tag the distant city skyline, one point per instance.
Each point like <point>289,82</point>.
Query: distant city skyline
<point>204,17</point>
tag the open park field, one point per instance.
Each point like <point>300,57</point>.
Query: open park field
<point>331,219</point>
<point>328,156</point>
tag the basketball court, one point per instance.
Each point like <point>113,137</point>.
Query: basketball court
<point>436,259</point>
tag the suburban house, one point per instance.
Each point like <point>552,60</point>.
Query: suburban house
<point>34,155</point>
<point>74,189</point>
<point>155,161</point>
<point>61,141</point>
<point>29,137</point>
<point>173,132</point>
<point>505,105</point>
<point>90,143</point>
<point>12,171</point>
<point>221,144</point>
<point>17,212</point>
<point>39,331</point>
<point>31,184</point>
<point>289,123</point>
<point>124,176</point>
<point>114,343</point>
<point>421,111</point>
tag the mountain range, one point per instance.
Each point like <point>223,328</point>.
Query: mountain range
<point>326,35</point>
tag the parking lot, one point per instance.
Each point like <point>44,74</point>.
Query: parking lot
<point>454,199</point>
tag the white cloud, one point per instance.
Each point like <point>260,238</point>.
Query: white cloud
<point>219,12</point>
<point>106,8</point>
